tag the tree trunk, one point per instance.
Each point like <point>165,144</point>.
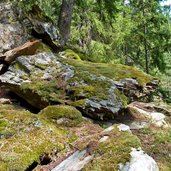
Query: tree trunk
<point>64,22</point>
<point>146,50</point>
<point>145,40</point>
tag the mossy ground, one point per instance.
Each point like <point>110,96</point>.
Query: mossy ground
<point>116,150</point>
<point>25,137</point>
<point>157,143</point>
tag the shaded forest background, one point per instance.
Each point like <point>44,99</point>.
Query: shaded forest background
<point>131,32</point>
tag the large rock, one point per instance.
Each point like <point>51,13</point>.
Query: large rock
<point>150,113</point>
<point>16,28</point>
<point>12,32</point>
<point>140,162</point>
<point>98,90</point>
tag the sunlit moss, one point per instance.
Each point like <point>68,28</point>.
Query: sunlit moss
<point>32,137</point>
<point>70,115</point>
<point>113,71</point>
<point>116,150</point>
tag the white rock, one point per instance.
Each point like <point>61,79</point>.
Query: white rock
<point>103,139</point>
<point>74,162</point>
<point>5,101</point>
<point>123,127</point>
<point>157,118</point>
<point>109,129</point>
<point>139,161</point>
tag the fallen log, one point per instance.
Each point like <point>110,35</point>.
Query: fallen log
<point>29,48</point>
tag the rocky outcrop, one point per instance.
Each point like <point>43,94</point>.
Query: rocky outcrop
<point>100,91</point>
<point>95,89</point>
<point>29,48</point>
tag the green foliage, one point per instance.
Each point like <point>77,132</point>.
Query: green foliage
<point>113,31</point>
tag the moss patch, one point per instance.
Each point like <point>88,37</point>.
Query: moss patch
<point>48,91</point>
<point>30,137</point>
<point>68,53</point>
<point>70,115</point>
<point>109,154</point>
<point>113,71</point>
<point>156,142</point>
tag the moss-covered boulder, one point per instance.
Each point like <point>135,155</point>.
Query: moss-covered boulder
<point>62,115</point>
<point>98,90</point>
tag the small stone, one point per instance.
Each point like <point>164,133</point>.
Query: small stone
<point>103,139</point>
<point>109,129</point>
<point>123,127</point>
<point>38,124</point>
<point>5,101</point>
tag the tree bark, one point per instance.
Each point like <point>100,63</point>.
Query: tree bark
<point>65,18</point>
<point>145,41</point>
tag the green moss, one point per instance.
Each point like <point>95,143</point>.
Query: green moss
<point>48,91</point>
<point>71,116</point>
<point>95,87</point>
<point>84,90</point>
<point>32,137</point>
<point>115,150</point>
<point>113,71</point>
<point>79,103</point>
<point>21,67</point>
<point>3,123</point>
<point>3,166</point>
<point>163,137</point>
<point>68,53</point>
<point>120,95</point>
<point>43,48</point>
<point>157,146</point>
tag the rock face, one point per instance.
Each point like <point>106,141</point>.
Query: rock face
<point>95,89</point>
<point>17,28</point>
<point>12,33</point>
